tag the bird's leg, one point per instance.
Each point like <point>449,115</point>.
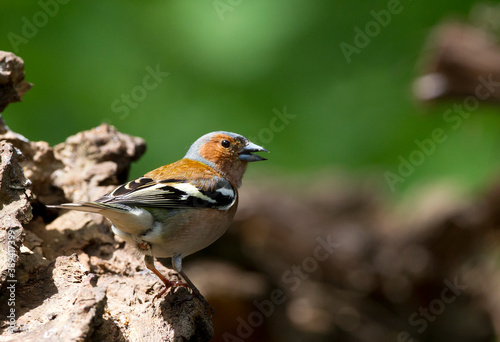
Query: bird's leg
<point>149,261</point>
<point>177,263</point>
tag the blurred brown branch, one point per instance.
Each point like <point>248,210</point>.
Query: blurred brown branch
<point>456,60</point>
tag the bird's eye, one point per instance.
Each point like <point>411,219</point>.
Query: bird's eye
<point>225,143</point>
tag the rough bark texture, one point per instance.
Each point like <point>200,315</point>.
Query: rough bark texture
<point>64,276</point>
<point>12,83</point>
<point>15,209</point>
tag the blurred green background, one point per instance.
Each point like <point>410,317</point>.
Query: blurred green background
<point>231,65</point>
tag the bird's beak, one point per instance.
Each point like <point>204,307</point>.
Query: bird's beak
<point>245,153</point>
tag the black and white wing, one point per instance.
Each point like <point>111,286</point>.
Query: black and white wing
<point>173,194</point>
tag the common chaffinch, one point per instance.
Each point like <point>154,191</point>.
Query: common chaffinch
<point>180,208</point>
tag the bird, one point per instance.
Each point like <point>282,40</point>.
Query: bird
<point>179,208</point>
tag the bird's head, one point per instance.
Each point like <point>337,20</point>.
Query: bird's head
<point>228,153</point>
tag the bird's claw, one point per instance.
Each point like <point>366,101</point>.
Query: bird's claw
<point>161,293</point>
<point>180,283</point>
<point>171,284</point>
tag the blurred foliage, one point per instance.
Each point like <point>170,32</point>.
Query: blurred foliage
<point>229,71</point>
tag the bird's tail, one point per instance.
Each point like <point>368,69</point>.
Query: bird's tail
<point>89,207</point>
<point>123,217</point>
